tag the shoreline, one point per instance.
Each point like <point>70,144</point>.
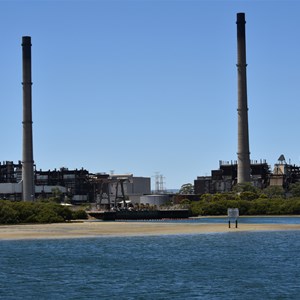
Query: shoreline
<point>246,216</point>
<point>87,229</point>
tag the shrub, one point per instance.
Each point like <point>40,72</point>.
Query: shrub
<point>8,215</point>
<point>244,187</point>
<point>47,215</point>
<point>196,208</point>
<point>243,206</point>
<point>63,212</point>
<point>214,208</point>
<point>295,189</point>
<point>247,195</point>
<point>206,197</point>
<point>35,212</point>
<point>27,211</point>
<point>79,215</point>
<point>274,192</point>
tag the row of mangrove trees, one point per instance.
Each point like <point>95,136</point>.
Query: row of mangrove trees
<point>37,212</point>
<point>249,200</point>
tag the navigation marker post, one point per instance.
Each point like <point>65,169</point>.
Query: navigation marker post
<point>233,214</point>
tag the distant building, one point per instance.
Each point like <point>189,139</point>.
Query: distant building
<point>225,178</point>
<point>76,185</point>
<point>284,174</point>
<point>11,180</point>
<point>134,187</point>
<point>117,188</point>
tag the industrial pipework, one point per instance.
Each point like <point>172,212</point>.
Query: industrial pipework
<point>27,158</point>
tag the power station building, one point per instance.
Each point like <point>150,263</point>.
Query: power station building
<point>261,176</point>
<point>226,177</point>
<point>77,185</point>
<point>23,181</point>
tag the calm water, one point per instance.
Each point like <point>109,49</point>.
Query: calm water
<point>241,220</point>
<point>238,265</point>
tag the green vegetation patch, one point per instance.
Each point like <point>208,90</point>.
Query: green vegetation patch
<point>261,206</point>
<point>37,212</point>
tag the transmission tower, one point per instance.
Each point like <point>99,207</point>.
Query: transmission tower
<point>159,183</point>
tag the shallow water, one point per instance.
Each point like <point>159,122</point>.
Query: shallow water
<point>243,265</point>
<point>241,220</point>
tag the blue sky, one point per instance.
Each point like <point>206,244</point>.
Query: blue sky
<point>149,86</point>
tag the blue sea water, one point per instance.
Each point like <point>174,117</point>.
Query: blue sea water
<point>237,265</point>
<point>241,220</point>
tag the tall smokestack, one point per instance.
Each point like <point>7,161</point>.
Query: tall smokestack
<point>243,154</point>
<point>27,158</point>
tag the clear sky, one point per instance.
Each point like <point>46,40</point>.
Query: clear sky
<point>149,86</point>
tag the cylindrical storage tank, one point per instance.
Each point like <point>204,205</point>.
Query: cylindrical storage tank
<point>157,200</point>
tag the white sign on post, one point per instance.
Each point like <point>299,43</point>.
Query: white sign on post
<point>233,213</point>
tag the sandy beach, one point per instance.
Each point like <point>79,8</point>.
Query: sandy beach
<point>106,229</point>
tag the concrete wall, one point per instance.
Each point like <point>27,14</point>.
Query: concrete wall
<point>139,185</point>
<point>11,188</point>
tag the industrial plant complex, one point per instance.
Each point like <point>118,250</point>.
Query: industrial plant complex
<point>23,181</point>
<point>261,176</point>
<point>76,186</point>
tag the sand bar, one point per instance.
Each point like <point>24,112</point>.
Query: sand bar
<point>106,229</point>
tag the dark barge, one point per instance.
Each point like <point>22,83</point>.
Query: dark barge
<point>140,214</point>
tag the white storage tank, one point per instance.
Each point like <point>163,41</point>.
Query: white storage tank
<point>157,200</point>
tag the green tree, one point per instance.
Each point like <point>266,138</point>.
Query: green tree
<point>295,189</point>
<point>207,197</point>
<point>56,195</point>
<point>216,208</point>
<point>79,214</point>
<point>274,192</point>
<point>196,208</point>
<point>230,196</point>
<point>245,187</point>
<point>47,215</point>
<point>26,210</point>
<point>259,207</point>
<point>186,189</point>
<point>8,214</point>
<point>247,195</point>
<point>218,197</point>
<point>185,203</point>
<point>36,212</point>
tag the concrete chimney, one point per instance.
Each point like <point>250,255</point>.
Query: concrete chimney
<point>243,154</point>
<point>27,158</point>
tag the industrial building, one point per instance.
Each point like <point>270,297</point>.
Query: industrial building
<point>76,186</point>
<point>261,176</point>
<point>284,174</point>
<point>244,170</point>
<point>23,181</point>
<point>119,189</point>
